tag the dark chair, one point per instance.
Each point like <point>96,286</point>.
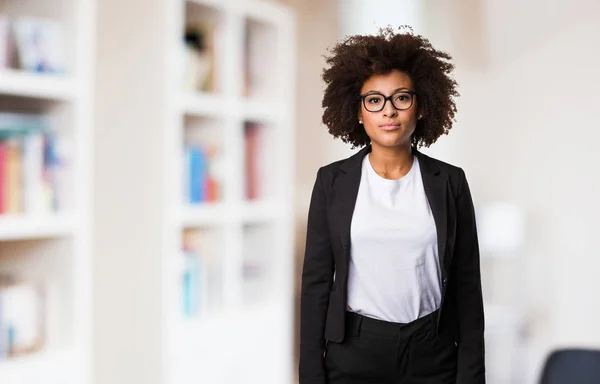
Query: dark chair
<point>572,366</point>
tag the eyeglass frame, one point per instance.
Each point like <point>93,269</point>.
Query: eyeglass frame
<point>386,98</point>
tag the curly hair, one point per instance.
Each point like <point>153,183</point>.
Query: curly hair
<point>356,58</point>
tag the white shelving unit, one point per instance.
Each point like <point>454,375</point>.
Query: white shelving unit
<point>22,227</point>
<point>244,331</point>
<point>55,248</point>
<point>247,336</point>
<point>19,83</point>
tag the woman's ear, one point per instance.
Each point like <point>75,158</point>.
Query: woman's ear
<point>359,117</point>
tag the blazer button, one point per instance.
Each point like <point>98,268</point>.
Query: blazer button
<point>444,281</point>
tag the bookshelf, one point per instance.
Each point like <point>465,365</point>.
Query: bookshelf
<point>31,85</point>
<point>194,248</point>
<point>45,241</point>
<point>247,246</point>
<point>20,227</point>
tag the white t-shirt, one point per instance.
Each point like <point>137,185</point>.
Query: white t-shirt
<point>394,272</point>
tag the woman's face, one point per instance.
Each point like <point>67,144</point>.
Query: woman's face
<point>389,127</point>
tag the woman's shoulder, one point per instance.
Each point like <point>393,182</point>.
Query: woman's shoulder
<point>345,164</point>
<point>332,167</point>
<point>454,174</point>
<point>436,163</point>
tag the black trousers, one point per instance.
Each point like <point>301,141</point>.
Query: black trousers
<point>380,352</point>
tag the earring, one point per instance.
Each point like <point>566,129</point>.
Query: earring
<point>420,117</point>
<point>359,121</point>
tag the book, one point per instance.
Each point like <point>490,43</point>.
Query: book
<point>196,164</point>
<point>32,161</point>
<point>255,156</point>
<point>33,169</point>
<point>195,274</point>
<point>22,318</point>
<point>202,174</point>
<point>13,176</point>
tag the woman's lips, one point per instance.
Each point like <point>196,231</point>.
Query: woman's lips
<point>389,127</point>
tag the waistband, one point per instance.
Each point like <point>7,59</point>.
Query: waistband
<point>356,323</point>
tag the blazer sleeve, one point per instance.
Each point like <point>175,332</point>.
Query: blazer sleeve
<point>317,279</point>
<point>471,353</point>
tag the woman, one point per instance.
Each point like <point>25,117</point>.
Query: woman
<point>391,287</point>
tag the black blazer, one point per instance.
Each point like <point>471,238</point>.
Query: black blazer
<point>323,297</point>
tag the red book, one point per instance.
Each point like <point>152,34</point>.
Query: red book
<point>251,164</point>
<point>211,189</point>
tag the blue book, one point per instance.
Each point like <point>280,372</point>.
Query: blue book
<point>191,284</point>
<point>198,167</point>
<point>203,174</point>
<point>193,177</point>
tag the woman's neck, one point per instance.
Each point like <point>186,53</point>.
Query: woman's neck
<point>391,162</point>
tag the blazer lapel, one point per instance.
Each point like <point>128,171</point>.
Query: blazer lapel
<point>435,189</point>
<point>346,191</point>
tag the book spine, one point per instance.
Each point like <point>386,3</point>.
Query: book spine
<point>13,202</point>
<point>33,166</point>
<point>194,180</point>
<point>250,157</point>
<point>51,168</point>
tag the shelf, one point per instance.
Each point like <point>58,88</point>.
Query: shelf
<point>263,110</point>
<point>219,213</point>
<point>202,104</point>
<point>249,109</point>
<point>206,214</point>
<point>261,211</point>
<point>54,367</point>
<point>267,12</point>
<point>39,86</point>
<point>22,227</point>
<point>217,4</point>
<point>198,328</point>
<point>189,327</point>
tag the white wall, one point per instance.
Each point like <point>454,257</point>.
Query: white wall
<point>317,30</point>
<point>367,16</point>
<point>128,181</point>
<point>528,123</point>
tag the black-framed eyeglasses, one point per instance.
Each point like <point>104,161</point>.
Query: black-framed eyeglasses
<point>375,101</point>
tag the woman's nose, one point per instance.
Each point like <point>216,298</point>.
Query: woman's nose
<point>389,110</point>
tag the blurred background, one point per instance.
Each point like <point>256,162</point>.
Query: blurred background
<point>157,159</point>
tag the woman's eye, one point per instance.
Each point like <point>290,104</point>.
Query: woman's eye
<point>374,100</point>
<point>401,98</point>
